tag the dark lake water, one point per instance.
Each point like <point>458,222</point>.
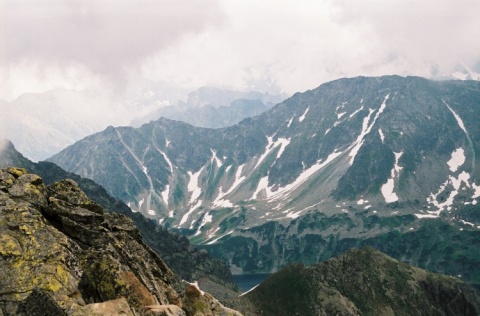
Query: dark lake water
<point>247,281</point>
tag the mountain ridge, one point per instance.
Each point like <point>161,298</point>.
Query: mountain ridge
<point>362,282</point>
<point>392,150</point>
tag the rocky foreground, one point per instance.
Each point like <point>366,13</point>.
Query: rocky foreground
<point>61,254</point>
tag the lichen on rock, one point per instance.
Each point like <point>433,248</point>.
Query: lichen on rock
<point>60,249</point>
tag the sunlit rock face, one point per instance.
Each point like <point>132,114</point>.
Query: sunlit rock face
<point>345,163</point>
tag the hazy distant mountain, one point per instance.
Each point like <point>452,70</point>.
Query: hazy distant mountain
<point>386,161</point>
<point>41,124</point>
<point>213,107</point>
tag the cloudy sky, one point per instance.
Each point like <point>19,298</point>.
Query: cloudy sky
<point>268,45</point>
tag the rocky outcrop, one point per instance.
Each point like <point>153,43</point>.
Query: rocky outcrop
<point>186,261</point>
<point>61,250</point>
<point>363,282</point>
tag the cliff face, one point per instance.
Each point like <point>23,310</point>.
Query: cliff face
<point>363,282</point>
<point>61,253</point>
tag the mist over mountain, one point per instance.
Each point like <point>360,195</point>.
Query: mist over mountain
<point>212,107</point>
<point>41,124</point>
<point>355,161</point>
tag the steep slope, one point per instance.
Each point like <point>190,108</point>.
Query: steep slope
<point>186,261</point>
<point>62,250</point>
<point>364,156</point>
<point>362,282</point>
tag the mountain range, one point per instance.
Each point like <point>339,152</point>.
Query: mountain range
<point>213,108</point>
<point>382,161</point>
<point>63,254</point>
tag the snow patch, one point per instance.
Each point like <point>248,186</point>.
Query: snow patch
<point>457,118</point>
<point>193,185</point>
<point>467,223</point>
<point>354,113</point>
<point>301,178</point>
<point>170,214</point>
<point>223,203</point>
<point>282,142</point>
<point>206,219</point>
<point>362,201</point>
<point>151,212</point>
<point>366,128</point>
<point>294,215</point>
<point>217,239</point>
<point>262,185</point>
<point>215,158</point>
<point>301,118</point>
<point>170,165</point>
<point>290,122</point>
<point>219,201</point>
<point>253,288</point>
<point>382,137</point>
<point>165,194</point>
<point>462,126</point>
<point>457,160</point>
<point>186,215</point>
<point>387,189</point>
<point>426,215</point>
<point>476,194</point>
<point>447,204</point>
<point>339,115</point>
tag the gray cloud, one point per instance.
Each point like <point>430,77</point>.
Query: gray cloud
<point>107,37</point>
<point>441,33</point>
<point>242,44</point>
